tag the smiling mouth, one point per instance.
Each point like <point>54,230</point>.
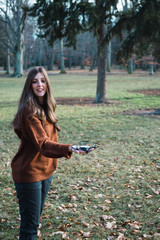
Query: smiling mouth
<point>40,90</point>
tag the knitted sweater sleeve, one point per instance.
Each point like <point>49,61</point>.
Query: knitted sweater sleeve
<point>33,131</point>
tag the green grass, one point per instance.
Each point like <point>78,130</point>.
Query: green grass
<point>119,179</point>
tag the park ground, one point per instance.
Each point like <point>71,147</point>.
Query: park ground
<point>110,193</point>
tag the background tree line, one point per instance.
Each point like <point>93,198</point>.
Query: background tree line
<point>71,33</point>
<point>37,51</point>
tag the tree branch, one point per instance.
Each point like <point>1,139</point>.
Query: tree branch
<point>8,22</point>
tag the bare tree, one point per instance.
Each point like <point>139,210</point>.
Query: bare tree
<point>13,18</point>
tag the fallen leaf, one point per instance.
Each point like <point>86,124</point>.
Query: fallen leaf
<point>63,227</point>
<point>106,217</point>
<point>120,237</point>
<point>56,233</point>
<point>62,209</point>
<point>99,196</point>
<point>135,231</point>
<point>65,235</point>
<point>3,220</point>
<point>135,225</point>
<point>86,234</point>
<point>110,225</point>
<point>107,201</point>
<point>74,198</point>
<point>148,196</point>
<point>157,192</point>
<point>39,233</point>
<point>157,235</point>
<point>70,205</point>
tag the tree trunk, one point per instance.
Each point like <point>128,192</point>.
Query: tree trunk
<point>62,68</point>
<point>82,60</point>
<point>70,62</point>
<point>126,5</point>
<point>130,66</point>
<point>25,61</point>
<point>151,69</point>
<point>8,62</point>
<point>8,52</point>
<point>109,57</point>
<point>40,53</point>
<point>151,65</point>
<point>91,60</point>
<point>18,65</point>
<point>101,75</point>
<point>50,57</point>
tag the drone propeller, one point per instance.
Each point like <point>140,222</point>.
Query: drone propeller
<point>92,144</point>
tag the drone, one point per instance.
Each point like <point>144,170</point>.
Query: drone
<point>83,146</point>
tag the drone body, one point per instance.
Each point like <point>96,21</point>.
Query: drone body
<point>84,148</point>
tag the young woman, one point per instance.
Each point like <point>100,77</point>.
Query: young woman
<point>35,123</point>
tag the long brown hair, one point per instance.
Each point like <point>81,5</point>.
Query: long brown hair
<point>43,112</point>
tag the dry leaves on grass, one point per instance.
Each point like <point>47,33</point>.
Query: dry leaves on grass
<point>64,235</point>
<point>121,237</point>
<point>109,222</point>
<point>135,226</point>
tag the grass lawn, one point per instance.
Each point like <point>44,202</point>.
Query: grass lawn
<point>111,193</point>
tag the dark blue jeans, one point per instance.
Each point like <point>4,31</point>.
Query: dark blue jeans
<point>31,201</point>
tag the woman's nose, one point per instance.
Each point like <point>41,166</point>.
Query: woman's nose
<point>39,83</point>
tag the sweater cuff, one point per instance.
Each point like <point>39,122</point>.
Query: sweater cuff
<point>69,155</point>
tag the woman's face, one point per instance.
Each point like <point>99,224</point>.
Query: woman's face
<point>39,86</point>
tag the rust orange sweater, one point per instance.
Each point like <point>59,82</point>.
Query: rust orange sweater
<point>37,155</point>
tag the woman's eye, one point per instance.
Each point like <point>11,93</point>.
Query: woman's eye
<point>36,81</point>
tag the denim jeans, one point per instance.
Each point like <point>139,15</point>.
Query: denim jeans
<point>31,201</point>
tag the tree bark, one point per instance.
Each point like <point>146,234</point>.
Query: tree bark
<point>109,57</point>
<point>18,65</point>
<point>82,60</point>
<point>101,74</point>
<point>52,58</point>
<point>8,52</point>
<point>130,66</point>
<point>8,71</point>
<point>151,65</point>
<point>62,68</point>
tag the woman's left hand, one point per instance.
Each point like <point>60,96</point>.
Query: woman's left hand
<point>77,151</point>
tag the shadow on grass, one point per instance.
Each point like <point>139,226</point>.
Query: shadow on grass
<point>144,112</point>
<point>8,104</point>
